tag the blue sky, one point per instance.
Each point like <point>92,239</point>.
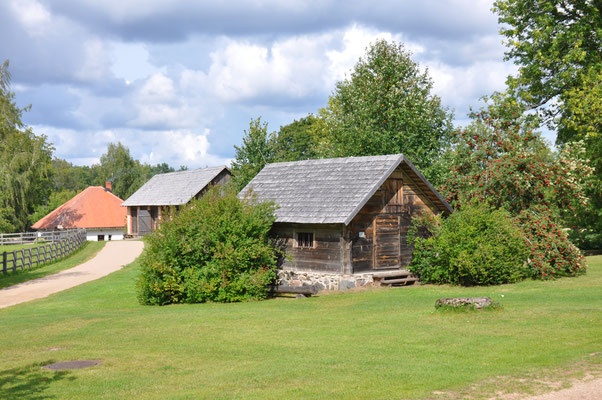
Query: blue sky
<point>179,81</point>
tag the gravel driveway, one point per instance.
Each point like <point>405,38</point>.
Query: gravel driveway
<point>113,256</point>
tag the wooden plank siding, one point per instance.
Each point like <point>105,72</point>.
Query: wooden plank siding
<point>145,218</point>
<point>325,256</point>
<point>378,233</point>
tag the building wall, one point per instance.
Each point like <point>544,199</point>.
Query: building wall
<point>378,232</point>
<point>157,211</point>
<point>327,253</point>
<point>134,216</point>
<point>114,233</point>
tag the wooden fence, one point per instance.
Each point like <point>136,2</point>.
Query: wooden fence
<point>60,244</point>
<point>35,237</point>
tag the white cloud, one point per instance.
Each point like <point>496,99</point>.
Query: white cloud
<point>34,17</point>
<point>95,65</point>
<point>192,87</point>
<point>461,87</point>
<point>288,68</point>
<point>158,88</point>
<point>354,41</point>
<point>130,61</point>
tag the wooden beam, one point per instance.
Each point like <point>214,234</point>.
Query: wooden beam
<point>306,290</point>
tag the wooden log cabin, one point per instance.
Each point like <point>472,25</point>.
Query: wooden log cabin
<point>346,216</point>
<point>173,189</point>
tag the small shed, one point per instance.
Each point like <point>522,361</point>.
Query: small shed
<point>95,209</point>
<point>173,189</point>
<point>345,216</point>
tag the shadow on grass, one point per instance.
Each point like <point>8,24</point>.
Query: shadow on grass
<point>30,382</point>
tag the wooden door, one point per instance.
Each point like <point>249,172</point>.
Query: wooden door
<point>144,222</point>
<point>386,242</point>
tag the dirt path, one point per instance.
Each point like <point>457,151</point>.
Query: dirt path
<point>584,390</point>
<point>111,258</point>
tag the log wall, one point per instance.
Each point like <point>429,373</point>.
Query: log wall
<point>327,253</point>
<point>378,232</point>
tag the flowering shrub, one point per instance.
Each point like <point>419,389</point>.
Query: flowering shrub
<point>478,245</point>
<point>551,253</point>
<point>500,160</point>
<point>215,249</point>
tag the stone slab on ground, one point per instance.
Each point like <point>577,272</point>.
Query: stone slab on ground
<point>459,302</point>
<point>111,258</point>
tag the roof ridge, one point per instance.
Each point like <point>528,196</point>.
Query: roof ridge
<point>328,190</point>
<point>346,159</point>
<point>174,188</point>
<point>189,170</point>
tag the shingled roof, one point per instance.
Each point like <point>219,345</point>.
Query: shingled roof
<point>331,190</point>
<point>94,207</point>
<point>173,188</point>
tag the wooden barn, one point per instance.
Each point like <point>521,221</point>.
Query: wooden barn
<point>345,220</point>
<point>173,189</point>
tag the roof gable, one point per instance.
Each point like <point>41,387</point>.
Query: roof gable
<point>94,207</point>
<point>328,190</point>
<point>174,188</point>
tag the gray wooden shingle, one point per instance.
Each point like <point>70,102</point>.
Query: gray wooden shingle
<point>327,190</point>
<point>174,188</point>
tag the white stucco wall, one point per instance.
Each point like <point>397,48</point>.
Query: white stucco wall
<point>116,234</point>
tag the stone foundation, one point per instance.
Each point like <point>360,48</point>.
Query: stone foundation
<point>323,280</point>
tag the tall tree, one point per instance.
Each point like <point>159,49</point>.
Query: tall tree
<point>25,162</point>
<point>256,151</point>
<point>500,160</point>
<point>299,140</point>
<point>557,45</point>
<point>385,107</point>
<point>119,167</point>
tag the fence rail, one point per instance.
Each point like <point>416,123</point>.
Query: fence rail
<point>35,237</point>
<point>60,244</point>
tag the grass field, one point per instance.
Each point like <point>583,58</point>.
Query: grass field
<point>84,253</point>
<point>373,344</point>
<point>13,247</point>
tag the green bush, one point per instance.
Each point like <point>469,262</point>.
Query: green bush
<point>475,246</point>
<point>214,249</point>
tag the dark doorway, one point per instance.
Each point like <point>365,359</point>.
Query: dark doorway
<point>101,238</point>
<point>144,222</point>
<point>135,220</point>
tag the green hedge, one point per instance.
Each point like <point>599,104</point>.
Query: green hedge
<point>475,246</point>
<point>214,249</point>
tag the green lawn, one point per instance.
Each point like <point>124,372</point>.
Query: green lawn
<point>371,344</point>
<point>84,253</point>
<point>13,247</point>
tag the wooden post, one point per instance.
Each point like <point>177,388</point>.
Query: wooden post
<point>4,262</point>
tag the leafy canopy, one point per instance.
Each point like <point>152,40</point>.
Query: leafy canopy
<point>256,151</point>
<point>25,162</point>
<point>555,43</point>
<point>386,107</point>
<point>500,160</point>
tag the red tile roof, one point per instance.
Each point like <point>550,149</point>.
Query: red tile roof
<point>92,208</point>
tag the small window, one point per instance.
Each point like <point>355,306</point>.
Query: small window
<point>305,239</point>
